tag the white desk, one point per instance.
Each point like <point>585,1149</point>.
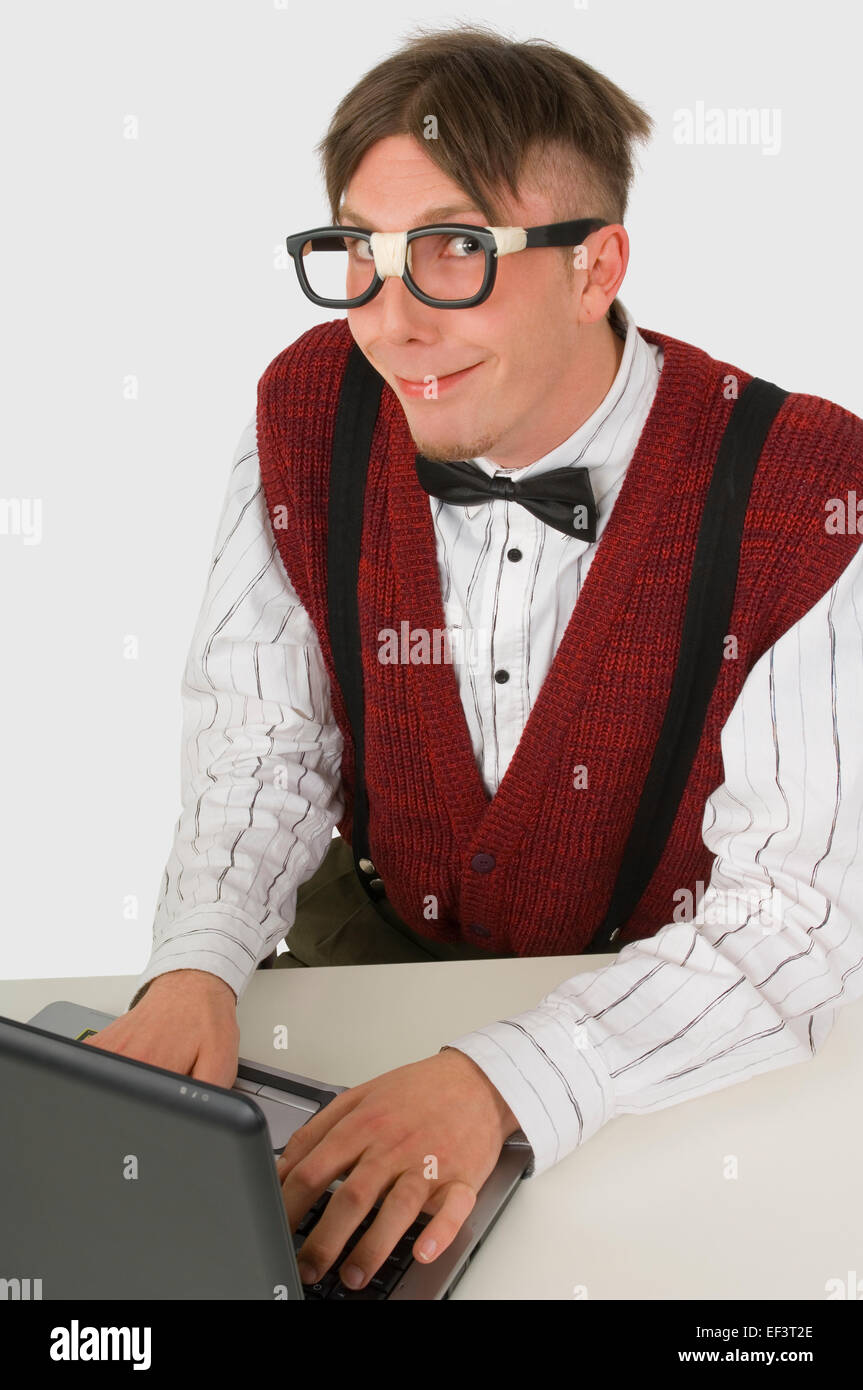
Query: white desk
<point>643,1210</point>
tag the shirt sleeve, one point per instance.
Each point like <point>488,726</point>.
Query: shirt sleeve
<point>753,980</point>
<point>261,755</point>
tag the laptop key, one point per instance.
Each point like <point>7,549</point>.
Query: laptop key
<point>309,1220</point>
<point>403,1253</point>
<point>387,1276</point>
<point>322,1288</point>
<point>345,1295</point>
<point>416,1230</point>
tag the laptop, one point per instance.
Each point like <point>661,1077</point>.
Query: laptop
<point>121,1180</point>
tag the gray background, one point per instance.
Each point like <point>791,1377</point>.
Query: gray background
<point>161,258</point>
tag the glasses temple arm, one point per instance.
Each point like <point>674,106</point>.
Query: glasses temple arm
<point>564,233</point>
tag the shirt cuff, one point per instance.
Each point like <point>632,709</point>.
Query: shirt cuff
<point>220,942</point>
<point>547,1069</point>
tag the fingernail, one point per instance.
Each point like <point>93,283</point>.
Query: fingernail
<point>308,1273</point>
<point>427,1249</point>
<point>353,1277</point>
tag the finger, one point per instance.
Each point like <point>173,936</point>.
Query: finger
<point>298,1146</point>
<point>304,1139</point>
<point>335,1154</point>
<point>346,1210</point>
<point>283,1166</point>
<point>435,1200</point>
<point>458,1203</point>
<point>397,1214</point>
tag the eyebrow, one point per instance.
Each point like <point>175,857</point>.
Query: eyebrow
<point>441,214</point>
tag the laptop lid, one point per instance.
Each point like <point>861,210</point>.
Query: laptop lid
<point>118,1178</point>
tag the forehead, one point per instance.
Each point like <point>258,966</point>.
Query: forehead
<point>396,183</point>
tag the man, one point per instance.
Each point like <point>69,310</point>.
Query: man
<point>502,786</point>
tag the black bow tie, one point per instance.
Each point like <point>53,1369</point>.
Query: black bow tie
<point>562,498</point>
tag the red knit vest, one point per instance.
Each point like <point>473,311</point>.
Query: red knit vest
<point>530,871</point>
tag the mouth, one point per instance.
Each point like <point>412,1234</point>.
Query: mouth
<point>437,383</point>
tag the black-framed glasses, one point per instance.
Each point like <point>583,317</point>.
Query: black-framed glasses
<point>448,265</point>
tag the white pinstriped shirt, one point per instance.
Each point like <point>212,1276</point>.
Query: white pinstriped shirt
<point>724,993</point>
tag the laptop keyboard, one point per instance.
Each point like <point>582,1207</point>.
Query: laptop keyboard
<point>387,1277</point>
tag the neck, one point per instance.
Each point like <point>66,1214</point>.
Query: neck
<point>594,372</point>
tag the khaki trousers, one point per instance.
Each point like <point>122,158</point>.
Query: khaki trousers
<point>337,924</point>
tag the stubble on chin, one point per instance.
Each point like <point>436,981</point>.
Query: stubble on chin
<point>440,451</point>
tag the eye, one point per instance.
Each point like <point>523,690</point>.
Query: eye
<point>463,245</point>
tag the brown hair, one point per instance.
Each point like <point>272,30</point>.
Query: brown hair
<point>505,110</point>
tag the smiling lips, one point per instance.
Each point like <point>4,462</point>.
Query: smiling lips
<point>412,382</point>
<point>441,377</point>
<point>442,383</point>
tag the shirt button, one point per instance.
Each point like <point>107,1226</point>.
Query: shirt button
<point>483,863</point>
<point>479,929</point>
<point>514,554</point>
<point>501,677</point>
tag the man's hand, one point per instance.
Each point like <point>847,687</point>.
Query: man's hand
<point>186,1022</point>
<point>427,1135</point>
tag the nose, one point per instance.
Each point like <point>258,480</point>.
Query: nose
<point>398,312</point>
<point>391,252</point>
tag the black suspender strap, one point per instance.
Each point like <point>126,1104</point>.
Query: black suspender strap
<point>705,625</point>
<point>708,609</point>
<point>353,428</point>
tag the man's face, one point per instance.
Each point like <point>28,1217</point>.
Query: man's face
<point>525,343</point>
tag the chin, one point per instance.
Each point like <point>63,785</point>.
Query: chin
<point>439,453</point>
<point>442,451</point>
<point>447,449</point>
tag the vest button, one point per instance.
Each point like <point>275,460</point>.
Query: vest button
<point>483,863</point>
<point>501,677</point>
<point>376,883</point>
<point>367,866</point>
<point>479,929</point>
